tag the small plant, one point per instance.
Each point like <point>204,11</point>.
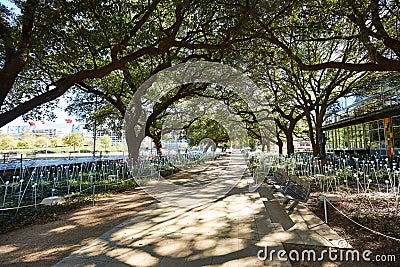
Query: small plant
<point>352,209</point>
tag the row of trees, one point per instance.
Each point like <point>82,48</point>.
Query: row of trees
<point>306,54</point>
<point>29,140</point>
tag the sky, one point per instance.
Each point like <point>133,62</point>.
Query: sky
<point>60,113</point>
<point>9,4</point>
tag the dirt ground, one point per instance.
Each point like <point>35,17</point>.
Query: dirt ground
<point>378,215</point>
<point>46,244</point>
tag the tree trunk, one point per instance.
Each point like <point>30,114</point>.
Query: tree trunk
<point>158,144</point>
<point>314,144</point>
<point>133,140</point>
<point>280,144</point>
<point>133,149</point>
<point>321,142</point>
<point>289,142</point>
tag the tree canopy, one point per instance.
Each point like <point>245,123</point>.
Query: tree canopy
<point>43,57</point>
<point>74,139</point>
<point>366,32</point>
<point>99,52</point>
<point>204,128</point>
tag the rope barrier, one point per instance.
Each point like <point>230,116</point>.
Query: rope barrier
<point>362,226</point>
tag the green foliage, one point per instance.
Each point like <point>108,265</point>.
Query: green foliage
<point>7,141</point>
<point>29,141</point>
<point>56,141</point>
<point>106,49</point>
<point>42,141</point>
<point>26,140</point>
<point>207,128</point>
<point>105,141</point>
<point>74,139</point>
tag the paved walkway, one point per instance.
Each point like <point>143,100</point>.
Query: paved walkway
<point>228,232</point>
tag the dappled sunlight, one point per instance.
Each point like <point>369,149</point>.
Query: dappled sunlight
<point>36,256</point>
<point>198,188</point>
<point>205,243</point>
<point>117,251</point>
<point>226,232</point>
<point>205,229</point>
<point>212,214</point>
<point>196,236</point>
<point>97,244</point>
<point>8,248</point>
<point>247,231</point>
<point>223,233</point>
<point>225,246</point>
<point>133,233</point>
<point>62,229</point>
<point>192,235</point>
<point>87,223</point>
<point>173,248</point>
<point>136,257</point>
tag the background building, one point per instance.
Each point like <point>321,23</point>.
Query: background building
<point>371,126</point>
<point>55,129</point>
<point>43,127</point>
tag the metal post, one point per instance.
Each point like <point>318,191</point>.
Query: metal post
<point>5,193</point>
<point>93,188</point>
<point>93,194</point>
<point>325,210</point>
<point>80,181</point>
<point>20,168</point>
<point>69,183</point>
<point>20,192</point>
<point>35,192</point>
<point>95,131</point>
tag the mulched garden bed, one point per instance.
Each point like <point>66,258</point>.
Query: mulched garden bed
<point>375,211</point>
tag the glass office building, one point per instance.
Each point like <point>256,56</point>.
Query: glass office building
<point>371,126</point>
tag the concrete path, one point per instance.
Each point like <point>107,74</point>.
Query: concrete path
<point>228,232</point>
<point>199,185</point>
